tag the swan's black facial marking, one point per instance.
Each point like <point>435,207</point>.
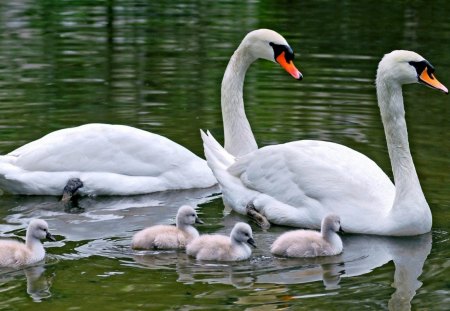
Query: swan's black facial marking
<point>420,67</point>
<point>280,48</point>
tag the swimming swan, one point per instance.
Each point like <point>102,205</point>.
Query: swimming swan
<point>169,237</point>
<point>16,254</point>
<point>104,159</point>
<point>222,248</point>
<point>298,183</point>
<point>308,243</point>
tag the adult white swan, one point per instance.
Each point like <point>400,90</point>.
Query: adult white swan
<point>104,159</point>
<point>298,183</point>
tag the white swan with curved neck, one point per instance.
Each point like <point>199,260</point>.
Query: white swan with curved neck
<point>262,43</point>
<point>298,183</point>
<point>121,160</point>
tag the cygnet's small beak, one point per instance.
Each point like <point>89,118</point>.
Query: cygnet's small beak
<point>341,230</point>
<point>50,237</point>
<point>251,242</point>
<point>199,221</point>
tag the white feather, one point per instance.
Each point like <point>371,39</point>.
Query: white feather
<point>109,160</point>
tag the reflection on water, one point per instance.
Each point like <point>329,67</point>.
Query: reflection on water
<point>38,283</point>
<point>124,214</point>
<point>362,254</point>
<point>106,226</point>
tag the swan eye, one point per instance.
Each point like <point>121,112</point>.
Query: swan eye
<point>420,67</point>
<point>280,48</point>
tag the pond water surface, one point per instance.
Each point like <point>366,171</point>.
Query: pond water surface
<point>157,65</point>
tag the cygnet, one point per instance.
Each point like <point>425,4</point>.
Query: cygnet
<point>16,254</point>
<point>223,248</point>
<point>309,243</point>
<point>169,237</point>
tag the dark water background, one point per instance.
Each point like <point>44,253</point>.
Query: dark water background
<point>157,65</point>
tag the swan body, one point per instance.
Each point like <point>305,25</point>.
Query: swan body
<point>108,159</point>
<point>15,254</point>
<point>299,183</point>
<point>103,159</point>
<point>169,237</point>
<point>308,243</point>
<point>222,248</point>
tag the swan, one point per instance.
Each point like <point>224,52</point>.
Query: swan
<point>298,183</point>
<point>308,243</point>
<point>104,159</point>
<point>16,254</point>
<point>222,248</point>
<point>169,237</point>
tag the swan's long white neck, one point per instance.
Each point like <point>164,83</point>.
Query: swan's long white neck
<point>408,191</point>
<point>239,139</point>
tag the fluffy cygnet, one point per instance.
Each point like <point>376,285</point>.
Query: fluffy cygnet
<point>308,243</point>
<point>169,237</point>
<point>15,254</point>
<point>223,248</point>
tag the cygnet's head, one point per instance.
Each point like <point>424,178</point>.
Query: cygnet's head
<point>270,45</point>
<point>38,229</point>
<point>242,232</point>
<point>331,222</point>
<point>187,216</point>
<point>406,67</point>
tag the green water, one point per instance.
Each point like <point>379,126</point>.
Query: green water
<point>157,65</point>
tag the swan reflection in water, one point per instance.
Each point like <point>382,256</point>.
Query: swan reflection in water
<point>38,281</point>
<point>124,215</point>
<point>362,254</point>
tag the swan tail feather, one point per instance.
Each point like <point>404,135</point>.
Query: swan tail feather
<point>217,157</point>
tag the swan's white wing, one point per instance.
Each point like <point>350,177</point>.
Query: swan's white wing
<point>109,159</point>
<point>315,173</point>
<point>102,148</point>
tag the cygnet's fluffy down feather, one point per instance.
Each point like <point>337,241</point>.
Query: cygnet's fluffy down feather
<point>16,254</point>
<point>223,248</point>
<point>169,237</point>
<point>308,243</point>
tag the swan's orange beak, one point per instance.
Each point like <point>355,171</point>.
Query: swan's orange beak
<point>289,66</point>
<point>430,80</point>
